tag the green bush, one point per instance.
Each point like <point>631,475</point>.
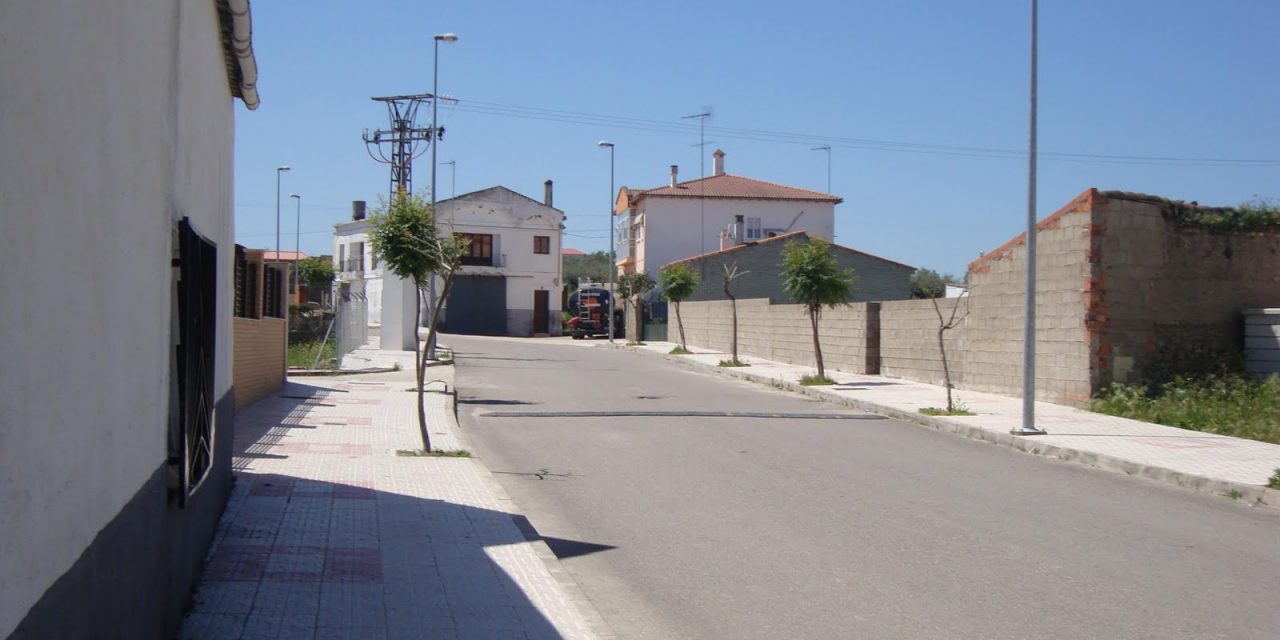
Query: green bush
<point>1231,405</point>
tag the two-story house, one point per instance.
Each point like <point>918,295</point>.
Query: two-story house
<point>509,283</point>
<point>684,219</point>
<point>355,266</point>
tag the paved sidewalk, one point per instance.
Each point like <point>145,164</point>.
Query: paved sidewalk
<point>1202,461</point>
<point>330,534</point>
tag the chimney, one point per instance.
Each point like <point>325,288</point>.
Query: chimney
<point>675,171</point>
<point>546,193</point>
<point>357,209</point>
<point>717,164</point>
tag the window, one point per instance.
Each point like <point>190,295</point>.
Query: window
<point>479,251</point>
<point>357,256</point>
<point>542,244</point>
<point>342,257</point>
<point>191,435</point>
<point>753,229</point>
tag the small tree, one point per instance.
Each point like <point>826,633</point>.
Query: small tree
<point>678,282</point>
<point>404,233</point>
<point>731,273</point>
<point>813,278</point>
<point>632,287</point>
<point>943,327</point>
<point>316,273</point>
<point>926,283</point>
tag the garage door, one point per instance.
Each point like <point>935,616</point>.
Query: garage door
<point>478,306</point>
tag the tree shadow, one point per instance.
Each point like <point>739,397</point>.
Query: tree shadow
<point>307,555</point>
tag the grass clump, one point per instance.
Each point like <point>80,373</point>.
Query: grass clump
<point>303,354</point>
<point>1274,480</point>
<point>679,351</point>
<point>1230,405</point>
<point>733,363</point>
<point>440,453</point>
<point>939,411</point>
<point>816,381</point>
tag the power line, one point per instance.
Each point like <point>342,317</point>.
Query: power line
<point>784,137</point>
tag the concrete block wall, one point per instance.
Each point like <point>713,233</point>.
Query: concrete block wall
<point>782,332</point>
<point>909,340</point>
<point>258,360</point>
<point>1171,295</point>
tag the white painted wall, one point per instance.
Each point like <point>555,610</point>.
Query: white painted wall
<point>345,236</point>
<point>670,230</point>
<point>514,221</point>
<point>117,121</point>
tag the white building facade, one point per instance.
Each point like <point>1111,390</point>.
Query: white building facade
<point>509,283</point>
<point>116,174</point>
<point>686,219</point>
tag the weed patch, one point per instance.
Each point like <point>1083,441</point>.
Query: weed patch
<point>679,351</point>
<point>733,363</point>
<point>303,354</point>
<point>1274,480</point>
<point>1230,405</point>
<point>816,381</point>
<point>443,453</point>
<point>938,411</point>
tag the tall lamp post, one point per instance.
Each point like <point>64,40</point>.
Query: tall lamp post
<point>297,244</point>
<point>285,344</point>
<point>827,148</point>
<point>1028,427</point>
<point>435,140</point>
<point>609,145</point>
<point>453,177</point>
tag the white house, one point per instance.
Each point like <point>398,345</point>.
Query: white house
<point>354,263</point>
<point>510,280</point>
<point>684,219</point>
<point>115,439</point>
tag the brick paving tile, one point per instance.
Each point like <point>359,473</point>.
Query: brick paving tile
<point>329,534</point>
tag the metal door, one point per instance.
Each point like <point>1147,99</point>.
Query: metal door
<point>477,306</point>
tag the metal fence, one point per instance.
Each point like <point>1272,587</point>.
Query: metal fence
<point>350,323</point>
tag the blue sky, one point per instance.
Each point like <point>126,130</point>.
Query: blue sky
<point>909,93</point>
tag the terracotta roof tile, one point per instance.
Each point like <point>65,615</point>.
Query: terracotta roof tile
<point>731,186</point>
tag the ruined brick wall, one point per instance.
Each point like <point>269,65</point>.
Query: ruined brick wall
<point>1170,297</point>
<point>849,335</point>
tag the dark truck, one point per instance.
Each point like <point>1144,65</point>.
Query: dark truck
<point>589,307</point>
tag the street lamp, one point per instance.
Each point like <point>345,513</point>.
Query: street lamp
<point>297,243</point>
<point>435,139</point>
<point>1028,426</point>
<point>609,145</point>
<point>279,170</point>
<point>453,177</point>
<point>827,148</point>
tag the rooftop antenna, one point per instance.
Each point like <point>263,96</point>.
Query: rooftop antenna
<point>702,169</point>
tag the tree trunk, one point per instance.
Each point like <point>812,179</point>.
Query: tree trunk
<point>733,304</point>
<point>431,335</point>
<point>946,370</point>
<point>680,323</point>
<point>420,366</point>
<point>817,347</point>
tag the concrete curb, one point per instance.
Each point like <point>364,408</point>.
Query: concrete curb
<point>586,608</point>
<point>1253,495</point>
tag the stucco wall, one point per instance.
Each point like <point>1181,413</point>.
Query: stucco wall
<point>259,358</point>
<point>1171,296</point>
<point>671,224</point>
<point>782,332</point>
<point>117,121</point>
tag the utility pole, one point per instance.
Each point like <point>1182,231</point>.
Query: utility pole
<point>1028,427</point>
<point>402,142</point>
<point>702,170</point>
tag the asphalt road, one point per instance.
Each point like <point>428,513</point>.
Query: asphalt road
<point>710,525</point>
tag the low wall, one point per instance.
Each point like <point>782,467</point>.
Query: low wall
<point>781,332</point>
<point>258,366</point>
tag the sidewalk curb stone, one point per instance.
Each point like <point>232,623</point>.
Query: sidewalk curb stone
<point>1253,495</point>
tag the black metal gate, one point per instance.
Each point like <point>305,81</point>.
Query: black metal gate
<point>191,443</point>
<point>477,306</point>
